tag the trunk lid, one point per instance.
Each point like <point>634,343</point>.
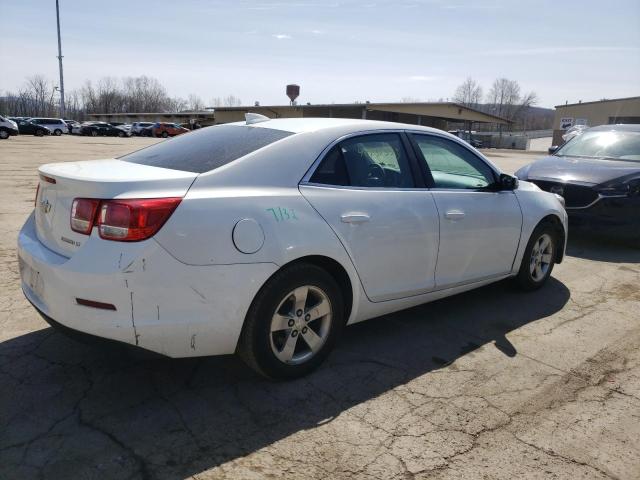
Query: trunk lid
<point>103,179</point>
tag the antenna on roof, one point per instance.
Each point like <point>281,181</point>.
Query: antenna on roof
<point>252,118</point>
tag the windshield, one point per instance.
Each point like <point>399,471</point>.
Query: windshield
<point>608,144</point>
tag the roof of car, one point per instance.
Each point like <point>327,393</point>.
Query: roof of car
<point>620,127</point>
<point>300,125</point>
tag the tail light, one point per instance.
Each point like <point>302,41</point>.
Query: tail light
<point>128,220</point>
<point>83,213</point>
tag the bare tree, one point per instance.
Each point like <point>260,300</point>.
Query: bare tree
<point>107,95</point>
<point>231,101</point>
<point>504,96</point>
<point>469,93</point>
<point>176,104</point>
<point>228,101</point>
<point>195,103</point>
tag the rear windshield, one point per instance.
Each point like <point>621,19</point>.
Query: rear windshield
<point>206,149</point>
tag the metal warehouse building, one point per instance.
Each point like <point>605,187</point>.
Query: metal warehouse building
<point>603,112</point>
<point>431,114</point>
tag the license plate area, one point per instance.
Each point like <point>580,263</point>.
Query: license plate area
<point>32,278</point>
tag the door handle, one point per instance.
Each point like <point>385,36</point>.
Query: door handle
<point>454,215</point>
<point>355,218</point>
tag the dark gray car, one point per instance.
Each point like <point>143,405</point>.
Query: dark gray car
<point>598,174</point>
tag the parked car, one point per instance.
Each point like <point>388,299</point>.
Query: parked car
<point>7,128</point>
<point>137,127</point>
<point>126,127</point>
<point>598,174</point>
<point>146,131</point>
<point>27,127</point>
<point>266,238</point>
<point>574,132</point>
<point>57,126</point>
<point>73,126</point>
<point>167,130</point>
<point>102,129</point>
<point>469,138</point>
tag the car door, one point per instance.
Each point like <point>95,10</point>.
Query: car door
<point>480,225</point>
<point>365,188</point>
<point>24,127</point>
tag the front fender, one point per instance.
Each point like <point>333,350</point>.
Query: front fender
<point>536,205</point>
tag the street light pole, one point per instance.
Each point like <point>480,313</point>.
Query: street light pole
<point>62,114</point>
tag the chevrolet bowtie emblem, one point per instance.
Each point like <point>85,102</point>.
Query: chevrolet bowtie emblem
<point>45,206</point>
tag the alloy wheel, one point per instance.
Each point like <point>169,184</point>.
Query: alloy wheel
<point>541,256</point>
<point>300,325</point>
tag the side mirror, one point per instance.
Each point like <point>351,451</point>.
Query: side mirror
<point>508,182</point>
<point>553,149</point>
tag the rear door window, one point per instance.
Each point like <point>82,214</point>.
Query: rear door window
<point>207,148</point>
<point>375,160</point>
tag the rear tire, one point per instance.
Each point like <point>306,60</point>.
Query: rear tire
<point>39,133</point>
<point>94,133</point>
<point>539,257</point>
<point>165,134</point>
<point>293,323</point>
<point>4,134</point>
<point>57,132</point>
<point>121,134</point>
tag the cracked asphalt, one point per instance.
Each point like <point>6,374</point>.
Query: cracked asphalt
<point>493,383</point>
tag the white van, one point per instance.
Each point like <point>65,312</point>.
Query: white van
<point>7,128</point>
<point>57,126</point>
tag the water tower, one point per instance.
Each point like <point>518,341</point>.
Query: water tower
<point>293,91</point>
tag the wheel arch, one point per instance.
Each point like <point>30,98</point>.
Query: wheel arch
<point>333,268</point>
<point>556,223</point>
<point>337,271</point>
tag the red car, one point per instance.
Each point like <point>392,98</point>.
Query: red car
<point>167,130</point>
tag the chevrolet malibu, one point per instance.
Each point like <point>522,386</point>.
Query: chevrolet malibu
<point>267,237</point>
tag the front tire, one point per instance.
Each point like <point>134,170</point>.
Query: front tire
<point>4,134</point>
<point>57,132</point>
<point>539,257</point>
<point>39,133</point>
<point>293,323</point>
<point>165,134</point>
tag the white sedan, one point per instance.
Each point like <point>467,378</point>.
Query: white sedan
<point>266,237</point>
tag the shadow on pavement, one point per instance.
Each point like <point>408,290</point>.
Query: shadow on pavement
<point>69,410</point>
<point>602,247</point>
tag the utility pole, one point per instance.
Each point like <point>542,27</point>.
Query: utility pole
<point>62,114</point>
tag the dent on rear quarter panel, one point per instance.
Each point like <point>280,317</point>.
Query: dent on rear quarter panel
<point>292,229</point>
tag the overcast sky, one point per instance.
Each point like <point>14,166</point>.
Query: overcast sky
<point>338,51</point>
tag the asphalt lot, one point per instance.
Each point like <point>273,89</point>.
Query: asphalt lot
<point>493,383</point>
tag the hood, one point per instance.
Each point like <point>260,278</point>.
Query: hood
<point>578,170</point>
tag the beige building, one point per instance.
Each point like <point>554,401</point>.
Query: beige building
<point>437,115</point>
<point>603,112</point>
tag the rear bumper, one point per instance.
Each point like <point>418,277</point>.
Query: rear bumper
<point>85,337</point>
<point>161,304</point>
